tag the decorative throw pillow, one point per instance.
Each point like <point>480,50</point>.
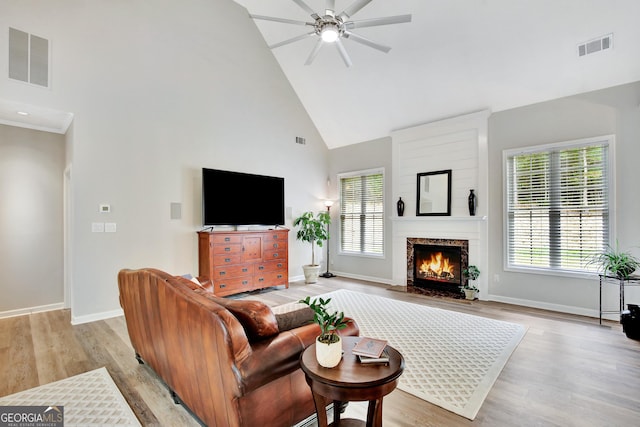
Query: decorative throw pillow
<point>256,318</point>
<point>294,319</point>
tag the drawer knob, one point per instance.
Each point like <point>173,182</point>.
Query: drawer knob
<point>227,249</point>
<point>261,267</point>
<point>222,273</point>
<point>244,270</point>
<point>227,239</point>
<point>227,260</point>
<point>223,286</point>
<point>279,265</point>
<point>275,254</point>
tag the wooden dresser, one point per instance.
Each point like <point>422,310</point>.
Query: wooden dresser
<point>240,261</point>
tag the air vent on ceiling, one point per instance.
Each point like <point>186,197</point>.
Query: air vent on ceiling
<point>596,45</point>
<point>28,58</point>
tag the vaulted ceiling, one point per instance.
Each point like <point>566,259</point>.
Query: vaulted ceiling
<point>455,57</point>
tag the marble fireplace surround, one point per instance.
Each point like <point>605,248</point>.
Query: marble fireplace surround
<point>413,241</point>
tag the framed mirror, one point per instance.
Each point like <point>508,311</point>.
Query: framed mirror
<point>434,193</point>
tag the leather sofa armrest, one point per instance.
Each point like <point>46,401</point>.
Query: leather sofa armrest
<point>280,355</point>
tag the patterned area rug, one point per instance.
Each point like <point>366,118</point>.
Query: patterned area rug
<point>89,399</point>
<point>451,359</point>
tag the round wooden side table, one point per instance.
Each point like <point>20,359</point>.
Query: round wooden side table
<point>351,381</point>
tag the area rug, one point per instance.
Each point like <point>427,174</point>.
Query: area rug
<point>451,359</point>
<point>89,399</point>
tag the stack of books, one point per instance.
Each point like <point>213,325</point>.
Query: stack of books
<point>371,351</point>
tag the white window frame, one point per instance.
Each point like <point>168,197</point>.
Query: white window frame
<point>352,174</point>
<point>506,154</point>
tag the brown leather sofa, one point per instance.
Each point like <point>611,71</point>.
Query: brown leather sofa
<point>226,360</point>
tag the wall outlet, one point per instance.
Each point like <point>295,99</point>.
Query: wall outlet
<point>496,278</point>
<point>109,227</point>
<point>97,227</point>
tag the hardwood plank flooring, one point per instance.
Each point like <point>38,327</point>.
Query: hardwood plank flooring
<point>567,371</point>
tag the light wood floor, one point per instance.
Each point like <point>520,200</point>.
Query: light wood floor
<point>567,371</point>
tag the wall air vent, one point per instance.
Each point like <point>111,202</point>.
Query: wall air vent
<point>596,45</point>
<point>28,58</point>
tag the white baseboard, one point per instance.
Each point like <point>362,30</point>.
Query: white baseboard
<point>78,320</point>
<point>31,310</point>
<point>580,311</point>
<point>365,278</point>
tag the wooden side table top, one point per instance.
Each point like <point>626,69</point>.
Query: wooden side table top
<point>350,373</point>
<point>352,380</point>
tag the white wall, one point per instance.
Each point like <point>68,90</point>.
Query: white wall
<point>609,111</point>
<point>357,157</point>
<point>158,91</point>
<point>31,261</point>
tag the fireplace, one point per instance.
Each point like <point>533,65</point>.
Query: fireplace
<point>437,264</point>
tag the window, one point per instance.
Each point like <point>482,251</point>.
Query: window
<point>557,201</point>
<point>362,212</point>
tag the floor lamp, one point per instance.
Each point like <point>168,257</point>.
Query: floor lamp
<point>327,274</point>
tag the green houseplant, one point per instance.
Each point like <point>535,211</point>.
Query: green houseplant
<point>616,262</point>
<point>315,230</point>
<point>328,343</point>
<point>472,273</point>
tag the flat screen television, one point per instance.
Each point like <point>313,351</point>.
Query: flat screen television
<point>236,198</point>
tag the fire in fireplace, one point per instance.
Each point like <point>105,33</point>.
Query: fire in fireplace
<point>436,264</point>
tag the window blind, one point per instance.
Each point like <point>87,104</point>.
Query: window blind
<point>558,207</point>
<point>362,213</point>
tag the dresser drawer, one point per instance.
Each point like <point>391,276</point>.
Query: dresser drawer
<point>280,236</point>
<point>227,249</point>
<point>272,278</point>
<point>274,254</point>
<point>231,286</point>
<point>227,259</point>
<point>224,239</point>
<point>233,271</point>
<point>270,266</point>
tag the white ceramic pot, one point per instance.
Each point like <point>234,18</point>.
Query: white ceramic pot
<point>469,294</point>
<point>311,273</point>
<point>329,355</point>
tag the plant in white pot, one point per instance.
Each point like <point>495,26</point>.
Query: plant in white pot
<point>315,230</point>
<point>472,273</point>
<point>328,343</point>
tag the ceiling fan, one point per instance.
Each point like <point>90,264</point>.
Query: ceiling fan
<point>331,27</point>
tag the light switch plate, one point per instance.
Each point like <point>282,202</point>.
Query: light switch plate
<point>109,227</point>
<point>97,227</point>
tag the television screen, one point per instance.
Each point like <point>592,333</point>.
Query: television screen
<point>235,198</point>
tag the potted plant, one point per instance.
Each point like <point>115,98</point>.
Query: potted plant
<point>471,273</point>
<point>328,343</point>
<point>313,229</point>
<point>615,262</point>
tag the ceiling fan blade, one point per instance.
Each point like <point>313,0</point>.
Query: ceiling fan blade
<point>378,21</point>
<point>283,20</point>
<point>366,41</point>
<point>306,8</point>
<point>343,53</point>
<point>314,52</point>
<point>353,8</point>
<point>292,40</point>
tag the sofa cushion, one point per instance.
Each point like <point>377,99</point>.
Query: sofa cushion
<point>294,319</point>
<point>256,318</point>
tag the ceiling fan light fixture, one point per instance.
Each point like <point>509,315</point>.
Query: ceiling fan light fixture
<point>329,33</point>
